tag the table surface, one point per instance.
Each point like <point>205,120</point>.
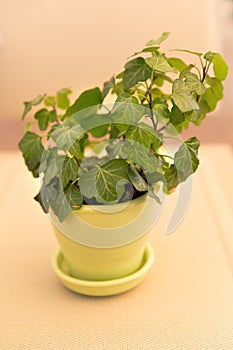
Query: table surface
<point>185,302</point>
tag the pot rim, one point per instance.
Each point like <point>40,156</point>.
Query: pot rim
<point>96,208</point>
<point>83,233</point>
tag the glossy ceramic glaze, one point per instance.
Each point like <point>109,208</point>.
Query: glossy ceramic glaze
<point>98,263</point>
<point>102,288</point>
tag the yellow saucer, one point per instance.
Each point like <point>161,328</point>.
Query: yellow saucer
<point>101,288</point>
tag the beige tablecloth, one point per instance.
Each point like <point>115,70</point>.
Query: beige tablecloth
<point>185,302</point>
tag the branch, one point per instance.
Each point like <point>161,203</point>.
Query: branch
<point>149,93</point>
<point>163,127</point>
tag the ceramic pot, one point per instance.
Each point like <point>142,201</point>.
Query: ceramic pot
<point>106,242</point>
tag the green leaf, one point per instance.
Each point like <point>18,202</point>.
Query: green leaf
<point>193,83</point>
<point>74,197</point>
<point>108,85</point>
<point>137,180</point>
<point>171,179</point>
<point>51,190</point>
<point>44,117</point>
<point>62,98</point>
<point>87,179</point>
<point>139,134</point>
<point>209,56</point>
<point>161,110</point>
<point>97,124</point>
<point>189,51</point>
<point>204,109</point>
<point>182,96</point>
<point>177,63</point>
<point>152,193</point>
<point>154,177</point>
<point>220,67</point>
<point>139,155</point>
<point>186,70</point>
<point>120,75</point>
<point>89,98</point>
<point>210,99</point>
<point>144,134</point>
<point>196,116</point>
<point>53,195</point>
<point>216,87</point>
<point>32,149</point>
<point>105,182</point>
<point>65,135</point>
<point>193,116</point>
<point>78,146</point>
<point>186,160</point>
<point>44,204</point>
<point>152,49</point>
<point>114,132</point>
<point>69,170</point>
<point>156,93</point>
<point>60,206</point>
<point>50,101</point>
<point>160,64</point>
<point>135,71</point>
<point>114,148</point>
<point>157,42</point>
<point>89,163</point>
<point>110,176</point>
<point>176,117</point>
<point>51,164</point>
<point>99,131</point>
<point>127,110</point>
<point>52,129</point>
<point>159,81</point>
<point>28,126</point>
<point>118,89</point>
<point>29,104</point>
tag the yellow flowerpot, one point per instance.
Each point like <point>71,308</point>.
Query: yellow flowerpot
<point>106,242</point>
<point>101,264</point>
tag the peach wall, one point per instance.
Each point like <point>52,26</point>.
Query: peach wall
<point>49,44</point>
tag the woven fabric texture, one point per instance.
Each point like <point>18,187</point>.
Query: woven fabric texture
<point>185,302</point>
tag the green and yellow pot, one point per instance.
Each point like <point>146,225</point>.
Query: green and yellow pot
<point>104,248</point>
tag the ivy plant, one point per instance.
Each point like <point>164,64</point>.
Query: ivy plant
<point>154,98</point>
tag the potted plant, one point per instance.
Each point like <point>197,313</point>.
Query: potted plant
<point>104,167</point>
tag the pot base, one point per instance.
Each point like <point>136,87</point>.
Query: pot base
<point>101,288</point>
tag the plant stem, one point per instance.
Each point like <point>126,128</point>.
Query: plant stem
<point>202,65</point>
<point>163,127</point>
<point>198,70</point>
<point>153,77</point>
<point>70,155</point>
<point>150,103</point>
<point>205,70</point>
<point>107,109</point>
<point>145,97</point>
<point>74,182</point>
<point>164,155</point>
<point>55,111</point>
<point>78,162</point>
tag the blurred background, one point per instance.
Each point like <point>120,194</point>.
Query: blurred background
<point>51,44</point>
